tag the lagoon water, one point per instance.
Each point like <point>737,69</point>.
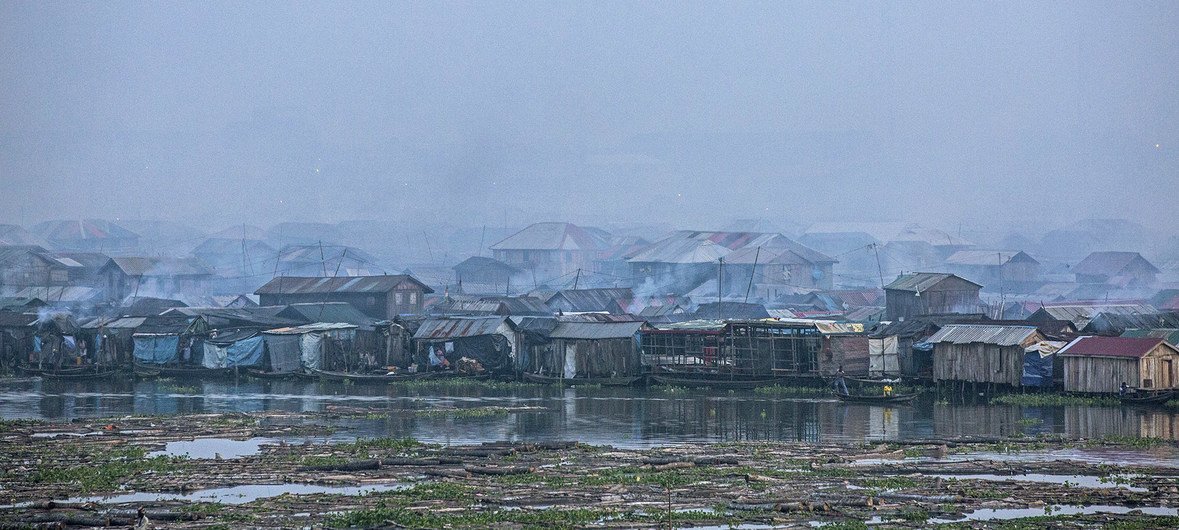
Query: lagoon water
<point>624,417</point>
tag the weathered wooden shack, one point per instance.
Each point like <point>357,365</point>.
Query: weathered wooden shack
<point>929,293</point>
<point>1102,364</point>
<point>975,353</point>
<point>588,350</point>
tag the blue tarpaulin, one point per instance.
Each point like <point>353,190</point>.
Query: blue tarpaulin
<point>245,353</point>
<point>1037,369</point>
<point>156,349</point>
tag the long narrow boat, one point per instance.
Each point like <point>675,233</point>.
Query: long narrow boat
<point>1148,397</point>
<point>80,374</point>
<point>877,398</point>
<point>263,374</point>
<point>713,381</point>
<point>573,381</point>
<point>378,378</point>
<point>183,371</point>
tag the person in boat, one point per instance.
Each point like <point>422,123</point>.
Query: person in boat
<point>887,390</point>
<point>1124,390</point>
<point>840,384</point>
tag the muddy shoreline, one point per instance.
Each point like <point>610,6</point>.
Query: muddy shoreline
<point>94,472</point>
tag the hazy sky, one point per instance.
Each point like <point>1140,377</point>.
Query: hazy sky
<point>689,113</point>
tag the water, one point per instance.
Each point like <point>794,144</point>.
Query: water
<point>1079,481</point>
<point>1005,514</point>
<point>208,448</point>
<point>624,417</point>
<point>240,494</point>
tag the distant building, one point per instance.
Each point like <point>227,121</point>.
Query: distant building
<point>1124,269</point>
<point>1005,270</point>
<point>89,235</point>
<point>163,277</point>
<point>684,260</point>
<point>381,297</point>
<point>24,266</point>
<point>486,271</point>
<point>930,293</point>
<point>549,251</point>
<point>326,260</point>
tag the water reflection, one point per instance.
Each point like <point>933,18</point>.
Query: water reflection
<point>617,416</point>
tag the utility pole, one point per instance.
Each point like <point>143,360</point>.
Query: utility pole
<point>752,273</point>
<point>879,270</point>
<point>720,275</point>
<point>576,279</point>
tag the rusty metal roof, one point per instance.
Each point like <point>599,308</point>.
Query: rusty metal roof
<point>337,284</point>
<point>1136,347</point>
<point>595,330</point>
<point>979,333</point>
<point>454,328</point>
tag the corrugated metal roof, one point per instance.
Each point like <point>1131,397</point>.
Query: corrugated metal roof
<point>688,246</point>
<point>310,328</point>
<point>921,281</point>
<point>60,294</point>
<point>337,284</point>
<point>595,330</point>
<point>1081,314</point>
<point>553,236</point>
<point>1170,335</point>
<point>160,267</point>
<point>454,328</point>
<point>613,299</point>
<point>328,312</point>
<point>977,333</point>
<point>1136,347</point>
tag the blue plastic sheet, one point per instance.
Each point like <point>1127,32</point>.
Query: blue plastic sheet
<point>246,352</point>
<point>156,349</point>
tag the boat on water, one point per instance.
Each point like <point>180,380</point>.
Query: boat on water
<point>264,374</point>
<point>149,370</point>
<point>574,381</point>
<point>80,373</point>
<point>1149,397</point>
<point>877,398</point>
<point>381,378</point>
<point>708,380</point>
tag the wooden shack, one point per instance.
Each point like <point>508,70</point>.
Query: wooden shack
<point>929,293</point>
<point>1102,364</point>
<point>588,350</point>
<point>977,353</point>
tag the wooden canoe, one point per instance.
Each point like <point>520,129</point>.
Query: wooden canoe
<point>88,373</point>
<point>603,381</point>
<point>877,398</point>
<point>1156,397</point>
<point>713,381</point>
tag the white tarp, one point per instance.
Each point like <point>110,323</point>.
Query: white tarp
<point>570,361</point>
<point>215,356</point>
<point>311,345</point>
<point>882,356</point>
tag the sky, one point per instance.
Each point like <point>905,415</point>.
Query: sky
<point>684,113</point>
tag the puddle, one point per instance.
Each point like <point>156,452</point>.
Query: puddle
<point>52,435</point>
<point>241,494</point>
<point>1004,514</point>
<point>209,448</point>
<point>1079,481</point>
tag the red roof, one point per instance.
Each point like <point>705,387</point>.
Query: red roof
<point>1136,347</point>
